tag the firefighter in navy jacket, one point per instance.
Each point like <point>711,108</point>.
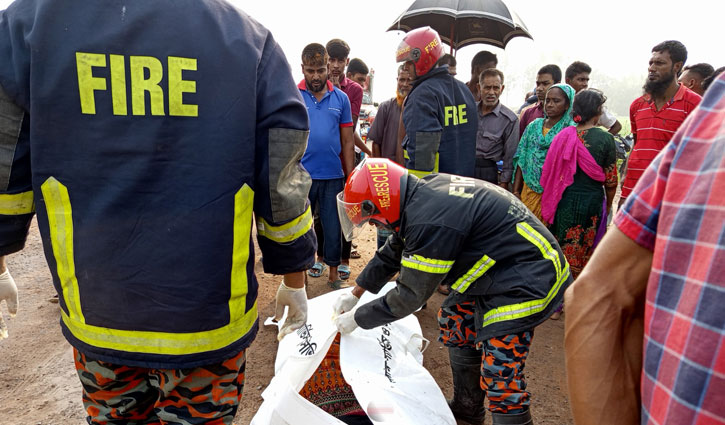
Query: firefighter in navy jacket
<point>507,272</point>
<point>439,114</point>
<point>158,132</point>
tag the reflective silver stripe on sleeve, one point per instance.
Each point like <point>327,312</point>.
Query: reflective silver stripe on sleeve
<point>289,182</point>
<point>426,147</point>
<point>11,121</point>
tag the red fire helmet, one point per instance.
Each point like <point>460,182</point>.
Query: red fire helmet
<point>372,194</point>
<point>422,46</point>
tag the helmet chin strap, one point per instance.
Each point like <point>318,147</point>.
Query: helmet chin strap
<point>395,226</point>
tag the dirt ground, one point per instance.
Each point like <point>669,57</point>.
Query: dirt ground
<point>39,386</point>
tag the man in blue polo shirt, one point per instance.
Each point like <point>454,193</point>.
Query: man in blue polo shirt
<point>330,135</point>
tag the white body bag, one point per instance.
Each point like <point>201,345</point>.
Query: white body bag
<point>384,367</point>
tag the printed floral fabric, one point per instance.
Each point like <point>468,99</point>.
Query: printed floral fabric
<point>328,389</point>
<point>580,210</point>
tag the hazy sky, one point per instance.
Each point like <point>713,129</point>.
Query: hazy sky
<point>615,36</point>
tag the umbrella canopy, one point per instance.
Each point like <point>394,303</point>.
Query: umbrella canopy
<point>463,22</point>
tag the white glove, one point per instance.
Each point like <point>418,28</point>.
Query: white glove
<point>345,322</point>
<point>9,293</point>
<point>345,302</point>
<point>296,300</point>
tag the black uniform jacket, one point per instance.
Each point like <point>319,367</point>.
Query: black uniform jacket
<point>480,239</point>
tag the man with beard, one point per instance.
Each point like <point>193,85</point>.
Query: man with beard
<point>384,131</point>
<point>656,115</point>
<point>330,139</point>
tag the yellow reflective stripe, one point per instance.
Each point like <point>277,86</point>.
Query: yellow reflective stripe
<point>56,195</point>
<point>533,236</point>
<point>60,222</point>
<point>478,269</point>
<point>429,265</point>
<point>517,311</point>
<point>418,173</point>
<point>17,204</point>
<point>287,232</point>
<point>162,342</point>
<point>243,207</point>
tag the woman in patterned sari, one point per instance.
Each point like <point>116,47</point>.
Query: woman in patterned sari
<point>531,153</point>
<point>580,179</point>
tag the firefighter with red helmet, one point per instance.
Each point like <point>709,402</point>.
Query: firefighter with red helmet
<point>439,114</point>
<point>507,272</point>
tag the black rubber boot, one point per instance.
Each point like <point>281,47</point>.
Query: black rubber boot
<point>467,403</point>
<point>512,419</point>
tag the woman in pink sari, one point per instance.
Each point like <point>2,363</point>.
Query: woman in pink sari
<point>579,178</point>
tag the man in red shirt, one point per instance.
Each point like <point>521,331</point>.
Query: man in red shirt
<point>656,115</point>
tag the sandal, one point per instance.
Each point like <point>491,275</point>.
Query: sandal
<point>354,254</point>
<point>336,284</point>
<point>316,270</point>
<point>343,271</point>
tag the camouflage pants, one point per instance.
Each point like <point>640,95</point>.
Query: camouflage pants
<point>116,394</point>
<point>503,358</point>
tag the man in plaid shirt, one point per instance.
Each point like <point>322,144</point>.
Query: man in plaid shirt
<point>658,276</point>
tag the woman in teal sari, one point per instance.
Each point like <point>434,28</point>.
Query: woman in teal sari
<point>531,153</point>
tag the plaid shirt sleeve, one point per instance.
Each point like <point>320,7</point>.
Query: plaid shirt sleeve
<point>680,202</point>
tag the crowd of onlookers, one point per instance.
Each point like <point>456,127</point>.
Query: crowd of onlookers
<point>557,153</point>
<point>568,182</point>
<point>142,223</point>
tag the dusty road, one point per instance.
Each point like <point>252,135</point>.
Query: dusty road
<point>38,383</point>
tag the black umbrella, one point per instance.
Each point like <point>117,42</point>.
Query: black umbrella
<point>463,22</point>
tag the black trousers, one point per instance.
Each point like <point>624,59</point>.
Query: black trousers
<point>486,170</point>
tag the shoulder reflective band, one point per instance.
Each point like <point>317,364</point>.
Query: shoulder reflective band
<point>421,174</point>
<point>289,182</point>
<point>473,274</point>
<point>528,308</point>
<point>240,321</point>
<point>287,232</point>
<point>20,203</point>
<point>428,265</point>
<point>426,150</point>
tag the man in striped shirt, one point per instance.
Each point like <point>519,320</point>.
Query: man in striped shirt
<point>656,115</point>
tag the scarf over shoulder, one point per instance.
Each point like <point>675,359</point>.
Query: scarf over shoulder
<point>531,153</point>
<point>565,154</point>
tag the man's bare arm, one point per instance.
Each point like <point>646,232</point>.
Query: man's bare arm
<point>360,144</point>
<point>604,330</point>
<point>348,149</point>
<point>616,128</point>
